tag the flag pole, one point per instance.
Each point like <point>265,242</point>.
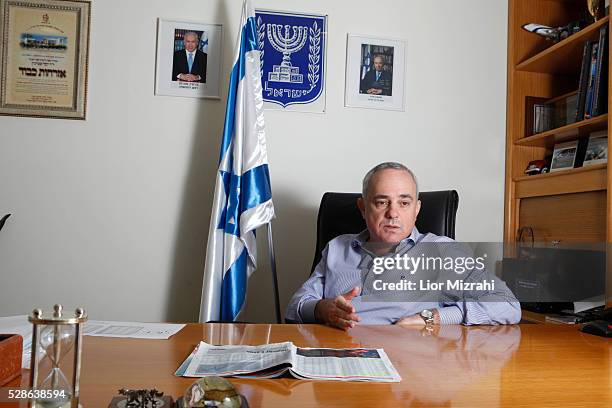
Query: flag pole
<point>274,277</point>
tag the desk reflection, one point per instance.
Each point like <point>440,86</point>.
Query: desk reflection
<point>438,367</point>
<point>442,364</point>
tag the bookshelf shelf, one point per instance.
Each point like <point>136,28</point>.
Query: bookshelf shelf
<point>565,133</point>
<point>563,58</point>
<point>579,180</point>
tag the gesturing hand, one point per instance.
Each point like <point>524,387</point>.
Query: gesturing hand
<point>338,312</point>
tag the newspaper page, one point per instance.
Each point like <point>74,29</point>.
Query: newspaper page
<point>358,364</point>
<point>237,360</point>
<point>272,360</point>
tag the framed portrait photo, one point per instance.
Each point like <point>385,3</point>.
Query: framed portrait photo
<point>188,59</point>
<point>375,71</point>
<point>564,156</point>
<point>44,58</point>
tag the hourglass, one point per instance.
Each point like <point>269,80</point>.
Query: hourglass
<point>53,338</point>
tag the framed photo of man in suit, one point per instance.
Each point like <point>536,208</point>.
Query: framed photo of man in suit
<point>375,70</point>
<point>188,59</point>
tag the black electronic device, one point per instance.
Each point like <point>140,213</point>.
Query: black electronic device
<point>548,280</point>
<point>601,328</point>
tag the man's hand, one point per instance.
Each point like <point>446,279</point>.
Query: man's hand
<point>414,320</point>
<point>338,312</point>
<point>374,91</point>
<point>417,320</point>
<point>189,77</point>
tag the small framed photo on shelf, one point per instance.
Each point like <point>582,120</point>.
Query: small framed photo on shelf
<point>564,156</point>
<point>188,59</point>
<point>375,73</point>
<point>597,148</point>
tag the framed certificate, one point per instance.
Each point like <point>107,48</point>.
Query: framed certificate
<point>43,58</point>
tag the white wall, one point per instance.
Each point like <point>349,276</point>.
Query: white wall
<point>112,213</point>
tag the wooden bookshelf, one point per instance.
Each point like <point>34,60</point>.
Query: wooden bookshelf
<point>563,134</point>
<point>568,206</point>
<point>579,180</point>
<point>565,56</point>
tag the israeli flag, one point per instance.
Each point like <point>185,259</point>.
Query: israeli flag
<point>243,197</point>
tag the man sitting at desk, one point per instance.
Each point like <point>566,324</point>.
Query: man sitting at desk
<point>390,205</point>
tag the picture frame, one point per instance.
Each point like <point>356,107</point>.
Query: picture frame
<point>564,156</point>
<point>597,149</point>
<point>188,59</point>
<point>375,73</point>
<point>44,54</point>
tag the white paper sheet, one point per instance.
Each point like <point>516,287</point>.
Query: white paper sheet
<point>100,328</point>
<point>133,330</point>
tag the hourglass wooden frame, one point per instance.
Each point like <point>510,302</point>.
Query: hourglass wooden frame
<point>57,320</point>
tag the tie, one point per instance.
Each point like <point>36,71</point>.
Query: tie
<point>377,75</point>
<point>190,61</point>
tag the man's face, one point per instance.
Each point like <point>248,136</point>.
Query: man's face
<point>378,64</point>
<point>191,42</point>
<point>391,206</point>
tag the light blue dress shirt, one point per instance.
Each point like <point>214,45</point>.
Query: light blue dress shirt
<point>340,270</point>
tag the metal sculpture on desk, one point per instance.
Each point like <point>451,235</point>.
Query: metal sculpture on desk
<point>212,392</point>
<point>141,399</point>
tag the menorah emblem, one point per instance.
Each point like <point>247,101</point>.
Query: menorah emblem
<point>292,40</point>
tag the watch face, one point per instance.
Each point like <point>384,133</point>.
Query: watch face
<point>427,313</point>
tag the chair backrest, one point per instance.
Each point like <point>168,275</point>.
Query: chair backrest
<point>338,214</point>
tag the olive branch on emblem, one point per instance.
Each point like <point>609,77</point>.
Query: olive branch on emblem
<point>261,34</point>
<point>314,50</point>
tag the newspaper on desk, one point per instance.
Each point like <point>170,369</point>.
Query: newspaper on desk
<point>274,360</point>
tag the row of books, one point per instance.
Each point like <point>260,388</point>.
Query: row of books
<point>593,85</point>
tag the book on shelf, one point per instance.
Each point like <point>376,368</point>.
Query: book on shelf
<point>584,79</point>
<point>600,93</point>
<point>588,108</point>
<point>593,82</point>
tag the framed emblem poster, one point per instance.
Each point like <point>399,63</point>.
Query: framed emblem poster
<point>375,70</point>
<point>292,55</point>
<point>43,58</point>
<point>188,59</point>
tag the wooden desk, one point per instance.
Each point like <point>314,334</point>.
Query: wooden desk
<point>525,365</point>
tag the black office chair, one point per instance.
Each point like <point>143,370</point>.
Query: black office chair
<point>338,214</point>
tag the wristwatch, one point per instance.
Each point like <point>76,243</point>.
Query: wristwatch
<point>428,316</point>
